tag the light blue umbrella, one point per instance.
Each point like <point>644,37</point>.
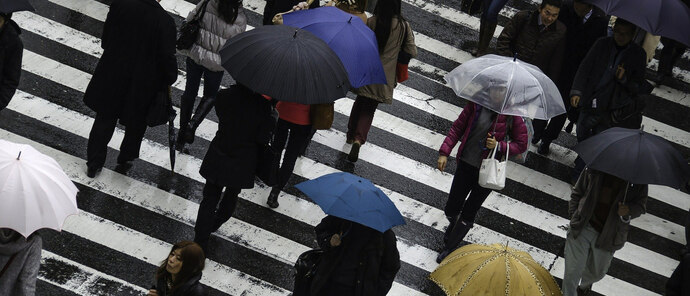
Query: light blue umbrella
<point>353,198</point>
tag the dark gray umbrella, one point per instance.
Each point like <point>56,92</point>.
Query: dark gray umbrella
<point>10,6</point>
<point>635,156</point>
<point>286,63</point>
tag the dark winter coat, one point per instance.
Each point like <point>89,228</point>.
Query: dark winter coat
<point>11,49</point>
<point>20,276</point>
<point>578,40</point>
<point>274,7</point>
<point>364,264</point>
<point>462,126</point>
<point>245,123</point>
<point>679,282</point>
<point>138,60</point>
<point>599,65</point>
<point>190,288</point>
<point>542,49</point>
<point>583,201</point>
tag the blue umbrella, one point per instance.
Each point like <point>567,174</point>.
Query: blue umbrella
<point>353,198</point>
<point>350,39</point>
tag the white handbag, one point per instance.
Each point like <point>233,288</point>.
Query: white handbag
<point>492,174</point>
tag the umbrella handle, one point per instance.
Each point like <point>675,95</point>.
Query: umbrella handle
<point>625,195</point>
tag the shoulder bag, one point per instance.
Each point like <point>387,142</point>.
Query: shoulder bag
<point>305,268</point>
<point>189,31</point>
<point>161,109</point>
<point>492,174</point>
<point>321,116</point>
<point>401,73</point>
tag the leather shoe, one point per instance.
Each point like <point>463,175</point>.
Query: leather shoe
<point>92,171</point>
<point>273,199</point>
<point>354,152</point>
<point>569,128</point>
<point>544,148</point>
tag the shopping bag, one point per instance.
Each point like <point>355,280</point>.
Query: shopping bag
<point>492,174</point>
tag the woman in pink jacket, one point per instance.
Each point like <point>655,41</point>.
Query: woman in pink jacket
<point>479,130</point>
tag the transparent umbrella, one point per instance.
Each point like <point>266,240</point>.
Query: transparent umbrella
<point>507,86</point>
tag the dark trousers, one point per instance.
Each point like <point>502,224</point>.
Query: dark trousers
<point>296,137</point>
<point>669,55</point>
<point>212,82</point>
<point>361,116</point>
<point>211,214</point>
<point>465,181</point>
<point>100,135</point>
<point>547,131</point>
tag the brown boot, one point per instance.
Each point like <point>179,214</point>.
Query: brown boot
<point>486,33</point>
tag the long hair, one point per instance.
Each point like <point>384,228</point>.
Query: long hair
<point>385,10</point>
<point>228,10</point>
<point>192,263</point>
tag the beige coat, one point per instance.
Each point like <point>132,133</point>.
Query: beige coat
<point>383,93</point>
<point>583,200</point>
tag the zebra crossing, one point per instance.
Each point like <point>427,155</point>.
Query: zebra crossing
<point>130,219</point>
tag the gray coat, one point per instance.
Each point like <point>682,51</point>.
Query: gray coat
<point>584,199</point>
<point>20,277</point>
<point>213,34</point>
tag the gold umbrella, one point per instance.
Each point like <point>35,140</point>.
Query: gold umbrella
<point>493,270</point>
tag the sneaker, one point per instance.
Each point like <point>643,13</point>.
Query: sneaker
<point>354,152</point>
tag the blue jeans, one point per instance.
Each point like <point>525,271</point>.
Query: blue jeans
<point>212,81</point>
<point>490,9</point>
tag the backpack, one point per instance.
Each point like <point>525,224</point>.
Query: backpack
<point>522,157</point>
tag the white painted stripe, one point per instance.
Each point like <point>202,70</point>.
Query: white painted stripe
<point>441,181</point>
<point>88,280</point>
<point>92,9</point>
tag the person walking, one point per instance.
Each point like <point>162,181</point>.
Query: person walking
<point>222,20</point>
<point>357,260</point>
<point>245,123</point>
<point>292,134</point>
<point>180,273</point>
<point>20,259</point>
<point>393,34</point>
<point>479,130</point>
<point>585,24</point>
<point>487,25</point>
<point>138,61</point>
<point>669,55</point>
<point>11,50</point>
<point>601,207</point>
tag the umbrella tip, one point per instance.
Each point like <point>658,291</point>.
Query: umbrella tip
<point>295,36</point>
<point>350,20</point>
<point>642,128</point>
<point>515,57</point>
<point>20,155</point>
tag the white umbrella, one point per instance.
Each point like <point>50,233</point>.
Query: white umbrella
<point>507,86</point>
<point>35,193</point>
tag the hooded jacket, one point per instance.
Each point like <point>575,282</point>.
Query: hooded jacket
<point>19,278</point>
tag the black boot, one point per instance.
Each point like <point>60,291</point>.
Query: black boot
<point>200,113</point>
<point>457,235</point>
<point>273,198</point>
<point>451,224</point>
<point>186,107</point>
<point>486,33</point>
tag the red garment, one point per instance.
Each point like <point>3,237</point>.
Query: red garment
<point>294,112</point>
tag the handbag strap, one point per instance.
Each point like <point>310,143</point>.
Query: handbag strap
<point>202,10</point>
<point>507,148</point>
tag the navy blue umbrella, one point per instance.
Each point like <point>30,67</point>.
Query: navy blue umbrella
<point>10,6</point>
<point>635,156</point>
<point>353,198</point>
<point>350,39</point>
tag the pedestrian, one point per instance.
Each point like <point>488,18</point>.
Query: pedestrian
<point>538,38</point>
<point>479,130</point>
<point>609,78</point>
<point>274,7</point>
<point>357,260</point>
<point>20,259</point>
<point>487,25</point>
<point>601,207</point>
<point>292,134</point>
<point>180,273</point>
<point>679,282</point>
<point>669,55</point>
<point>393,34</point>
<point>245,124</point>
<point>11,50</point>
<point>585,24</point>
<point>138,61</point>
<point>222,20</point>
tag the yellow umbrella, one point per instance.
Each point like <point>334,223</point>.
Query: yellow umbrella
<point>493,270</point>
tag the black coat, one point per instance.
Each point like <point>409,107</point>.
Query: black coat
<point>679,282</point>
<point>190,288</point>
<point>11,49</point>
<point>364,264</point>
<point>579,39</point>
<point>599,66</point>
<point>245,123</point>
<point>542,49</point>
<point>138,60</point>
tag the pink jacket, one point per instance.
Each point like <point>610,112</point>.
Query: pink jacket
<point>461,131</point>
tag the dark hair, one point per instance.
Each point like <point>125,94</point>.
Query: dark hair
<point>555,3</point>
<point>625,23</point>
<point>228,10</point>
<point>384,11</point>
<point>192,263</point>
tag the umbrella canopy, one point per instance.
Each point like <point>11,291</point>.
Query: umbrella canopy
<point>353,198</point>
<point>34,190</point>
<point>507,86</point>
<point>493,270</point>
<point>348,36</point>
<point>286,63</point>
<point>669,18</point>
<point>635,156</point>
<point>9,6</point>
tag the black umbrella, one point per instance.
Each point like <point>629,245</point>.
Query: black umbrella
<point>635,156</point>
<point>286,63</point>
<point>10,6</point>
